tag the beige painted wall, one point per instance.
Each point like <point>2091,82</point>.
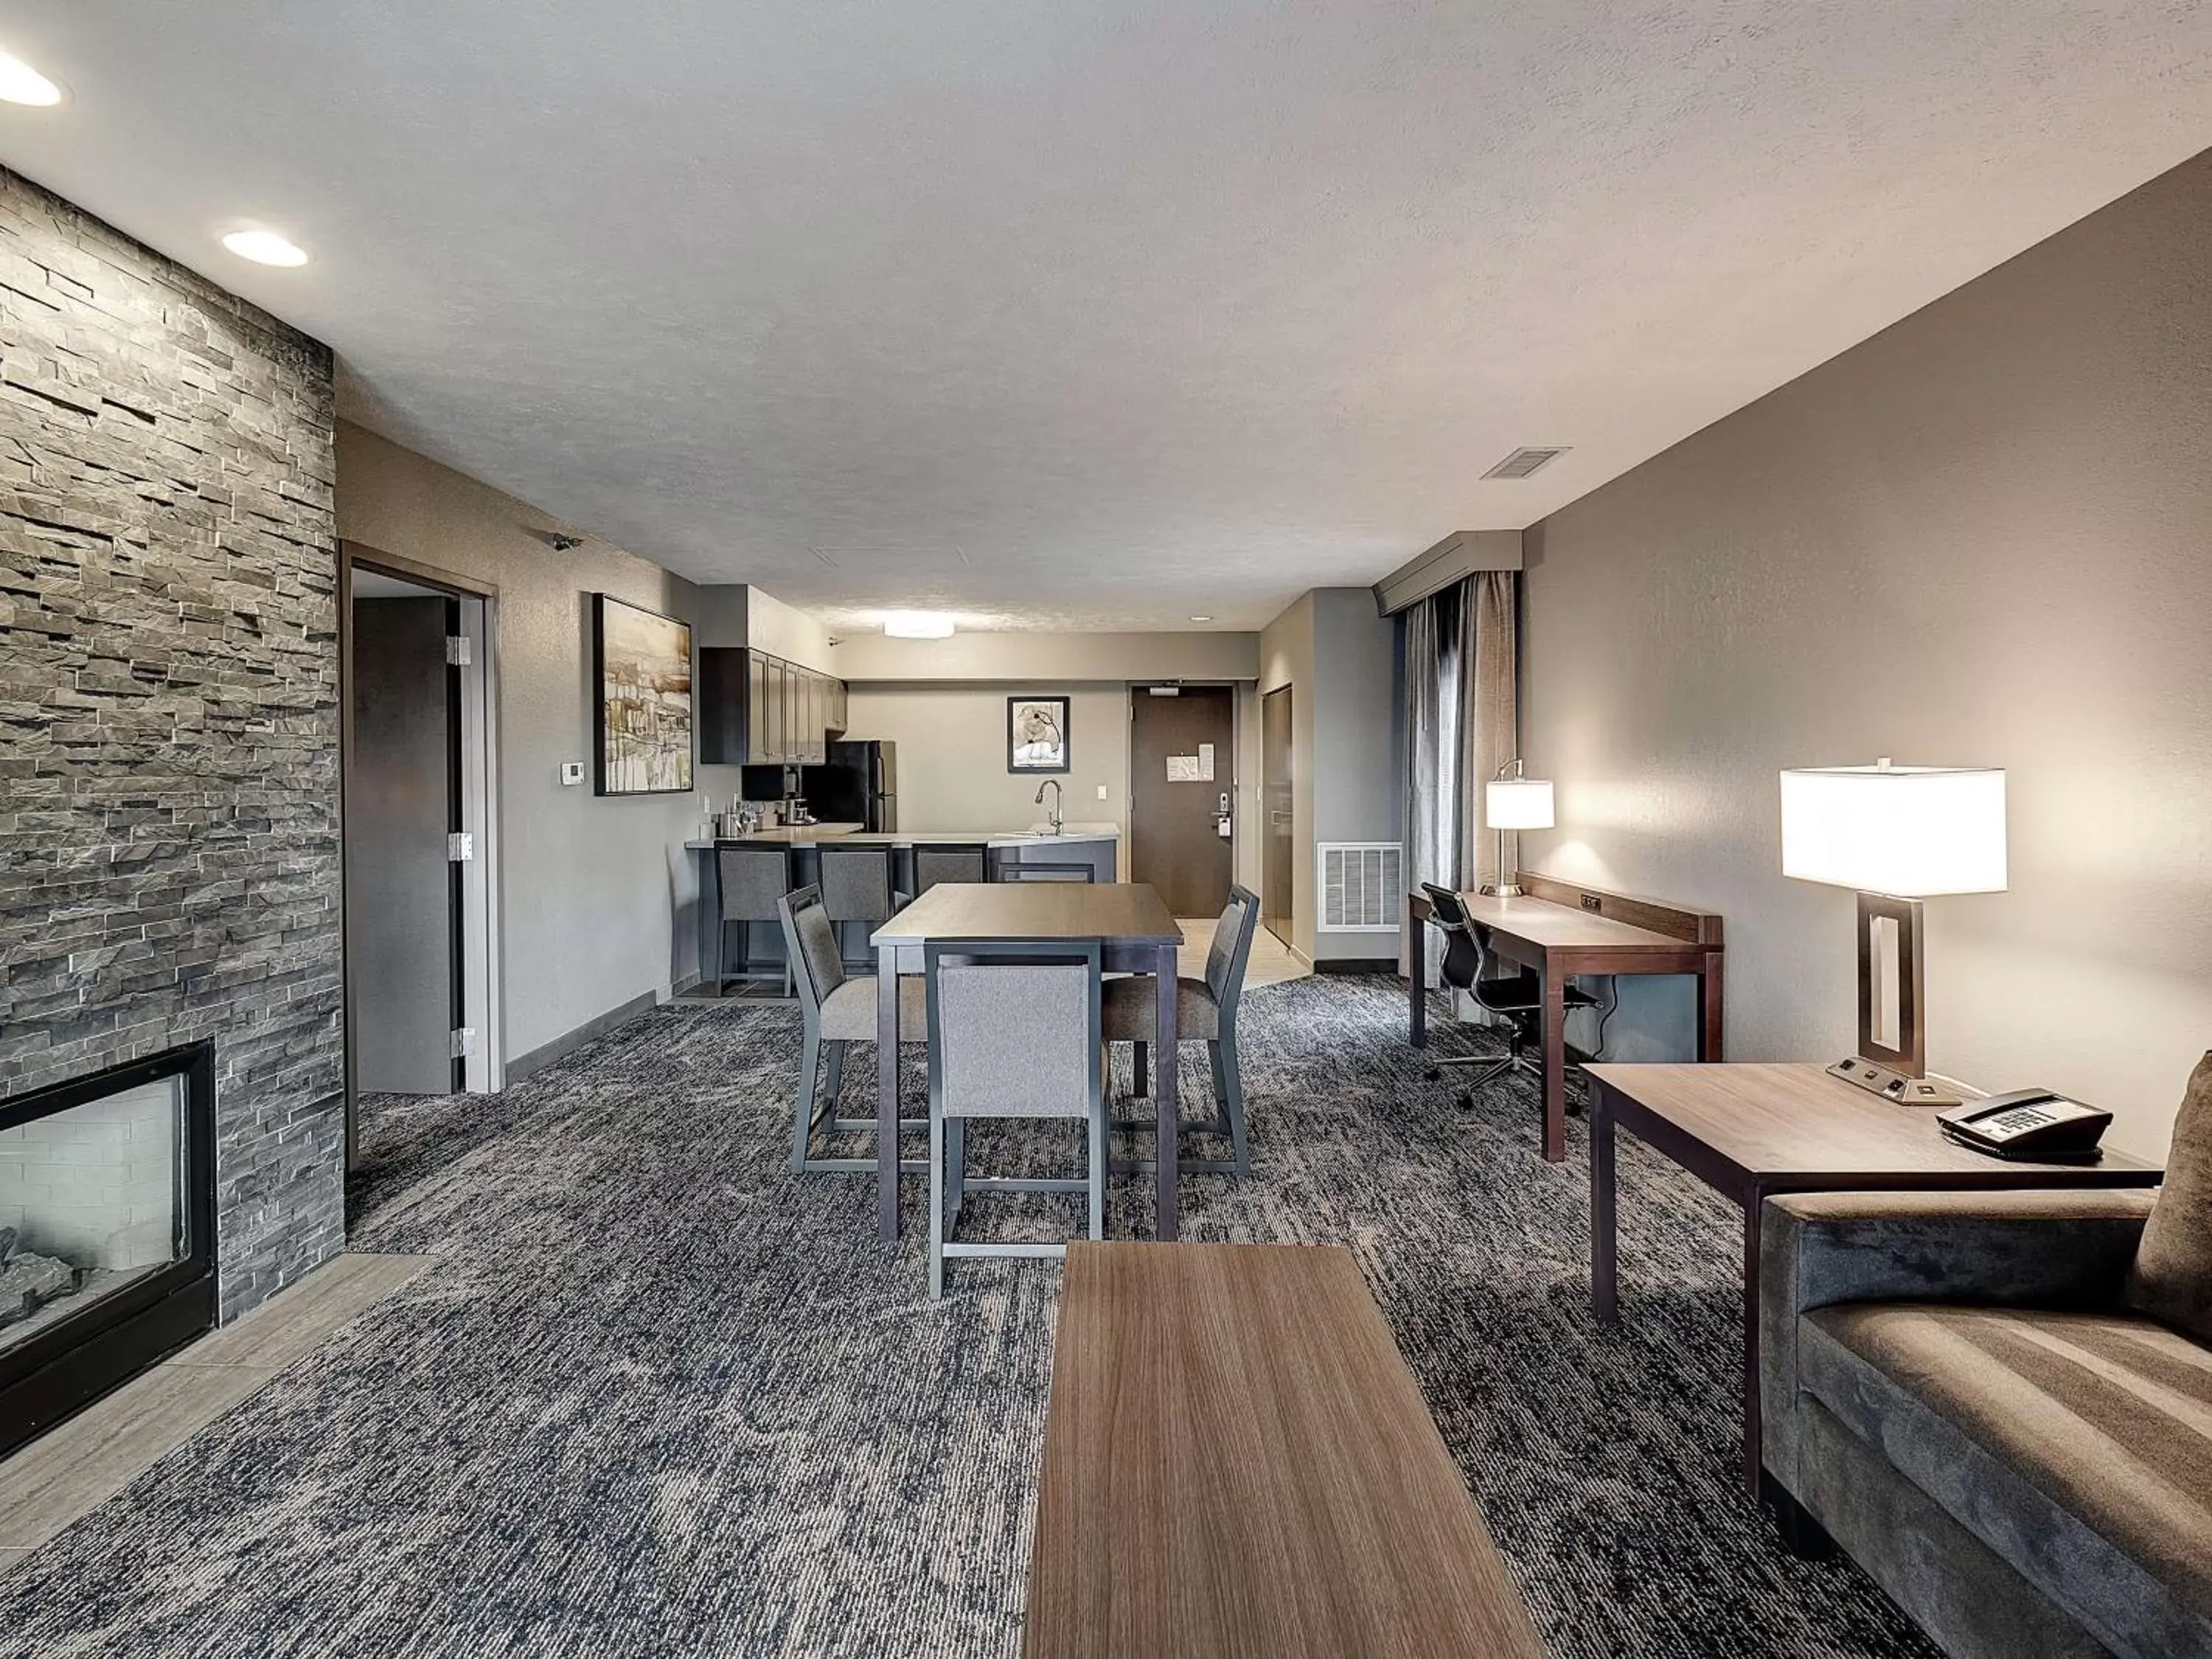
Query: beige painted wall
<point>1286,658</point>
<point>784,631</point>
<point>597,896</point>
<point>952,757</point>
<point>1985,538</point>
<point>1160,656</point>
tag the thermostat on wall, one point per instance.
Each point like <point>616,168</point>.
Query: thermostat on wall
<point>572,772</point>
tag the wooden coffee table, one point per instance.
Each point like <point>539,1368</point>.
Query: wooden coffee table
<point>1237,1464</point>
<point>1749,1131</point>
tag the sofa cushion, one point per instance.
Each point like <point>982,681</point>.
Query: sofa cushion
<point>2078,1446</point>
<point>2172,1279</point>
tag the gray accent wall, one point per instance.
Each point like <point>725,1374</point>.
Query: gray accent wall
<point>597,896</point>
<point>168,710</point>
<point>1984,536</point>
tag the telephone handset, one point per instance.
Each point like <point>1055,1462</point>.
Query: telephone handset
<point>2031,1124</point>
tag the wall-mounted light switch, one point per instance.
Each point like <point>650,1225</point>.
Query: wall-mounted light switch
<point>1101,791</point>
<point>572,773</point>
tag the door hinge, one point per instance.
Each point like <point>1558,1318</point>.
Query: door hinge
<point>460,847</point>
<point>457,650</point>
<point>465,1041</point>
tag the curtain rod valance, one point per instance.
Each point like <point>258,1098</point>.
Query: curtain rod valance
<point>1458,556</point>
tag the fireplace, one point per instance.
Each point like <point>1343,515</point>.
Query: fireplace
<point>106,1231</point>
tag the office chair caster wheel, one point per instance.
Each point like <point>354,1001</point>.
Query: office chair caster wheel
<point>1466,1100</point>
<point>1436,1073</point>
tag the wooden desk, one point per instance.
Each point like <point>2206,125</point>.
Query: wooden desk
<point>1750,1132</point>
<point>1137,934</point>
<point>1239,1465</point>
<point>1560,930</point>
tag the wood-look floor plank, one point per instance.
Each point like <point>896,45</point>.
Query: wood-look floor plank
<point>293,1324</point>
<point>1239,1465</point>
<point>73,1469</point>
<point>78,1466</point>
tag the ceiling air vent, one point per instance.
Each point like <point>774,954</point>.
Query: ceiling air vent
<point>1522,462</point>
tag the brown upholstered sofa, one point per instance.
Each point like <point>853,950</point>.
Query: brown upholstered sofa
<point>2001,1404</point>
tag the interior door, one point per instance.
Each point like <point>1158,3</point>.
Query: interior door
<point>1278,892</point>
<point>402,888</point>
<point>1181,787</point>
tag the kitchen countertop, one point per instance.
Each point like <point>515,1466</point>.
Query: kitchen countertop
<point>812,835</point>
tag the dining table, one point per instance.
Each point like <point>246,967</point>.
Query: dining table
<point>1136,933</point>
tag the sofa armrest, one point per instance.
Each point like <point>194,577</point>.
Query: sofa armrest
<point>2064,1248</point>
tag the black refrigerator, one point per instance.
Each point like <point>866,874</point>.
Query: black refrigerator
<point>858,784</point>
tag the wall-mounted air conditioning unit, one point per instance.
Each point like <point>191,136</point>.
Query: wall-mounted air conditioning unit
<point>1362,886</point>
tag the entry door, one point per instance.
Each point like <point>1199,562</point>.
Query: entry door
<point>1278,904</point>
<point>403,888</point>
<point>1175,810</point>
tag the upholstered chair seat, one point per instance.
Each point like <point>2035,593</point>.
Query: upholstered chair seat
<point>1131,1009</point>
<point>848,1013</point>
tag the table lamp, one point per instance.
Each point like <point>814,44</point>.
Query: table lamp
<point>1513,803</point>
<point>1898,834</point>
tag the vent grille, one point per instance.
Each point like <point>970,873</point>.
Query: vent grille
<point>1521,462</point>
<point>1363,887</point>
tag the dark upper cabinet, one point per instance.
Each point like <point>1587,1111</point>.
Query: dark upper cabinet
<point>755,709</point>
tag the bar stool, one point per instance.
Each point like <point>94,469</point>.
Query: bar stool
<point>856,887</point>
<point>962,861</point>
<point>1206,1010</point>
<point>836,1012</point>
<point>753,876</point>
<point>1013,1033</point>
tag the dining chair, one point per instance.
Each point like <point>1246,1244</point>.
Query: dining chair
<point>1206,1010</point>
<point>1013,1033</point>
<point>753,877</point>
<point>834,1012</point>
<point>965,861</point>
<point>1518,997</point>
<point>856,887</point>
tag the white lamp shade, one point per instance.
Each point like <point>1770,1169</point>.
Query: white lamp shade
<point>1518,804</point>
<point>1909,831</point>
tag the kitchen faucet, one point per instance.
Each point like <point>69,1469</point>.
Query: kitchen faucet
<point>1052,784</point>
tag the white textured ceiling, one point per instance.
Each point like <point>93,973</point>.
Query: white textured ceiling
<point>1089,315</point>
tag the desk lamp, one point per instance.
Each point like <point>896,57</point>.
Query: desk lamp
<point>1898,835</point>
<point>1513,803</point>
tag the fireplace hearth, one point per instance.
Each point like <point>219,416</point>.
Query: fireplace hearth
<point>106,1231</point>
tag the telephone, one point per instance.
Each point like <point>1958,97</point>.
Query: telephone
<point>2028,1123</point>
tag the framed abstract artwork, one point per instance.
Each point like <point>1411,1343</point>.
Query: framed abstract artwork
<point>1036,734</point>
<point>641,665</point>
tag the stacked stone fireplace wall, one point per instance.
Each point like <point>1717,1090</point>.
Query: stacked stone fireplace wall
<point>168,710</point>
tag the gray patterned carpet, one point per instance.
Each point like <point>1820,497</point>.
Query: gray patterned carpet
<point>659,1397</point>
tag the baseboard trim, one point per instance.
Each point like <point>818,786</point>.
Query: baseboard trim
<point>569,1041</point>
<point>689,983</point>
<point>1356,965</point>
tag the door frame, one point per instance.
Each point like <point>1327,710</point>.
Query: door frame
<point>1288,691</point>
<point>1144,689</point>
<point>484,1069</point>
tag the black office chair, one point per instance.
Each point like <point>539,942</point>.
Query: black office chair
<point>1519,996</point>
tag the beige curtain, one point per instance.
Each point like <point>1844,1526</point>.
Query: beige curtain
<point>1490,719</point>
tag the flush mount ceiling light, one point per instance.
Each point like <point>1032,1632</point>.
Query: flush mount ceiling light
<point>265,247</point>
<point>21,84</point>
<point>917,625</point>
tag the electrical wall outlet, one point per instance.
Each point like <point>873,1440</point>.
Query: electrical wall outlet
<point>1101,791</point>
<point>572,773</point>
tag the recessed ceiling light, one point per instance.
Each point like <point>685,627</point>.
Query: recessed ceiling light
<point>1202,619</point>
<point>21,84</point>
<point>265,247</point>
<point>917,625</point>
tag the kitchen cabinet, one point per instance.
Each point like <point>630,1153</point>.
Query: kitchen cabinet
<point>759,710</point>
